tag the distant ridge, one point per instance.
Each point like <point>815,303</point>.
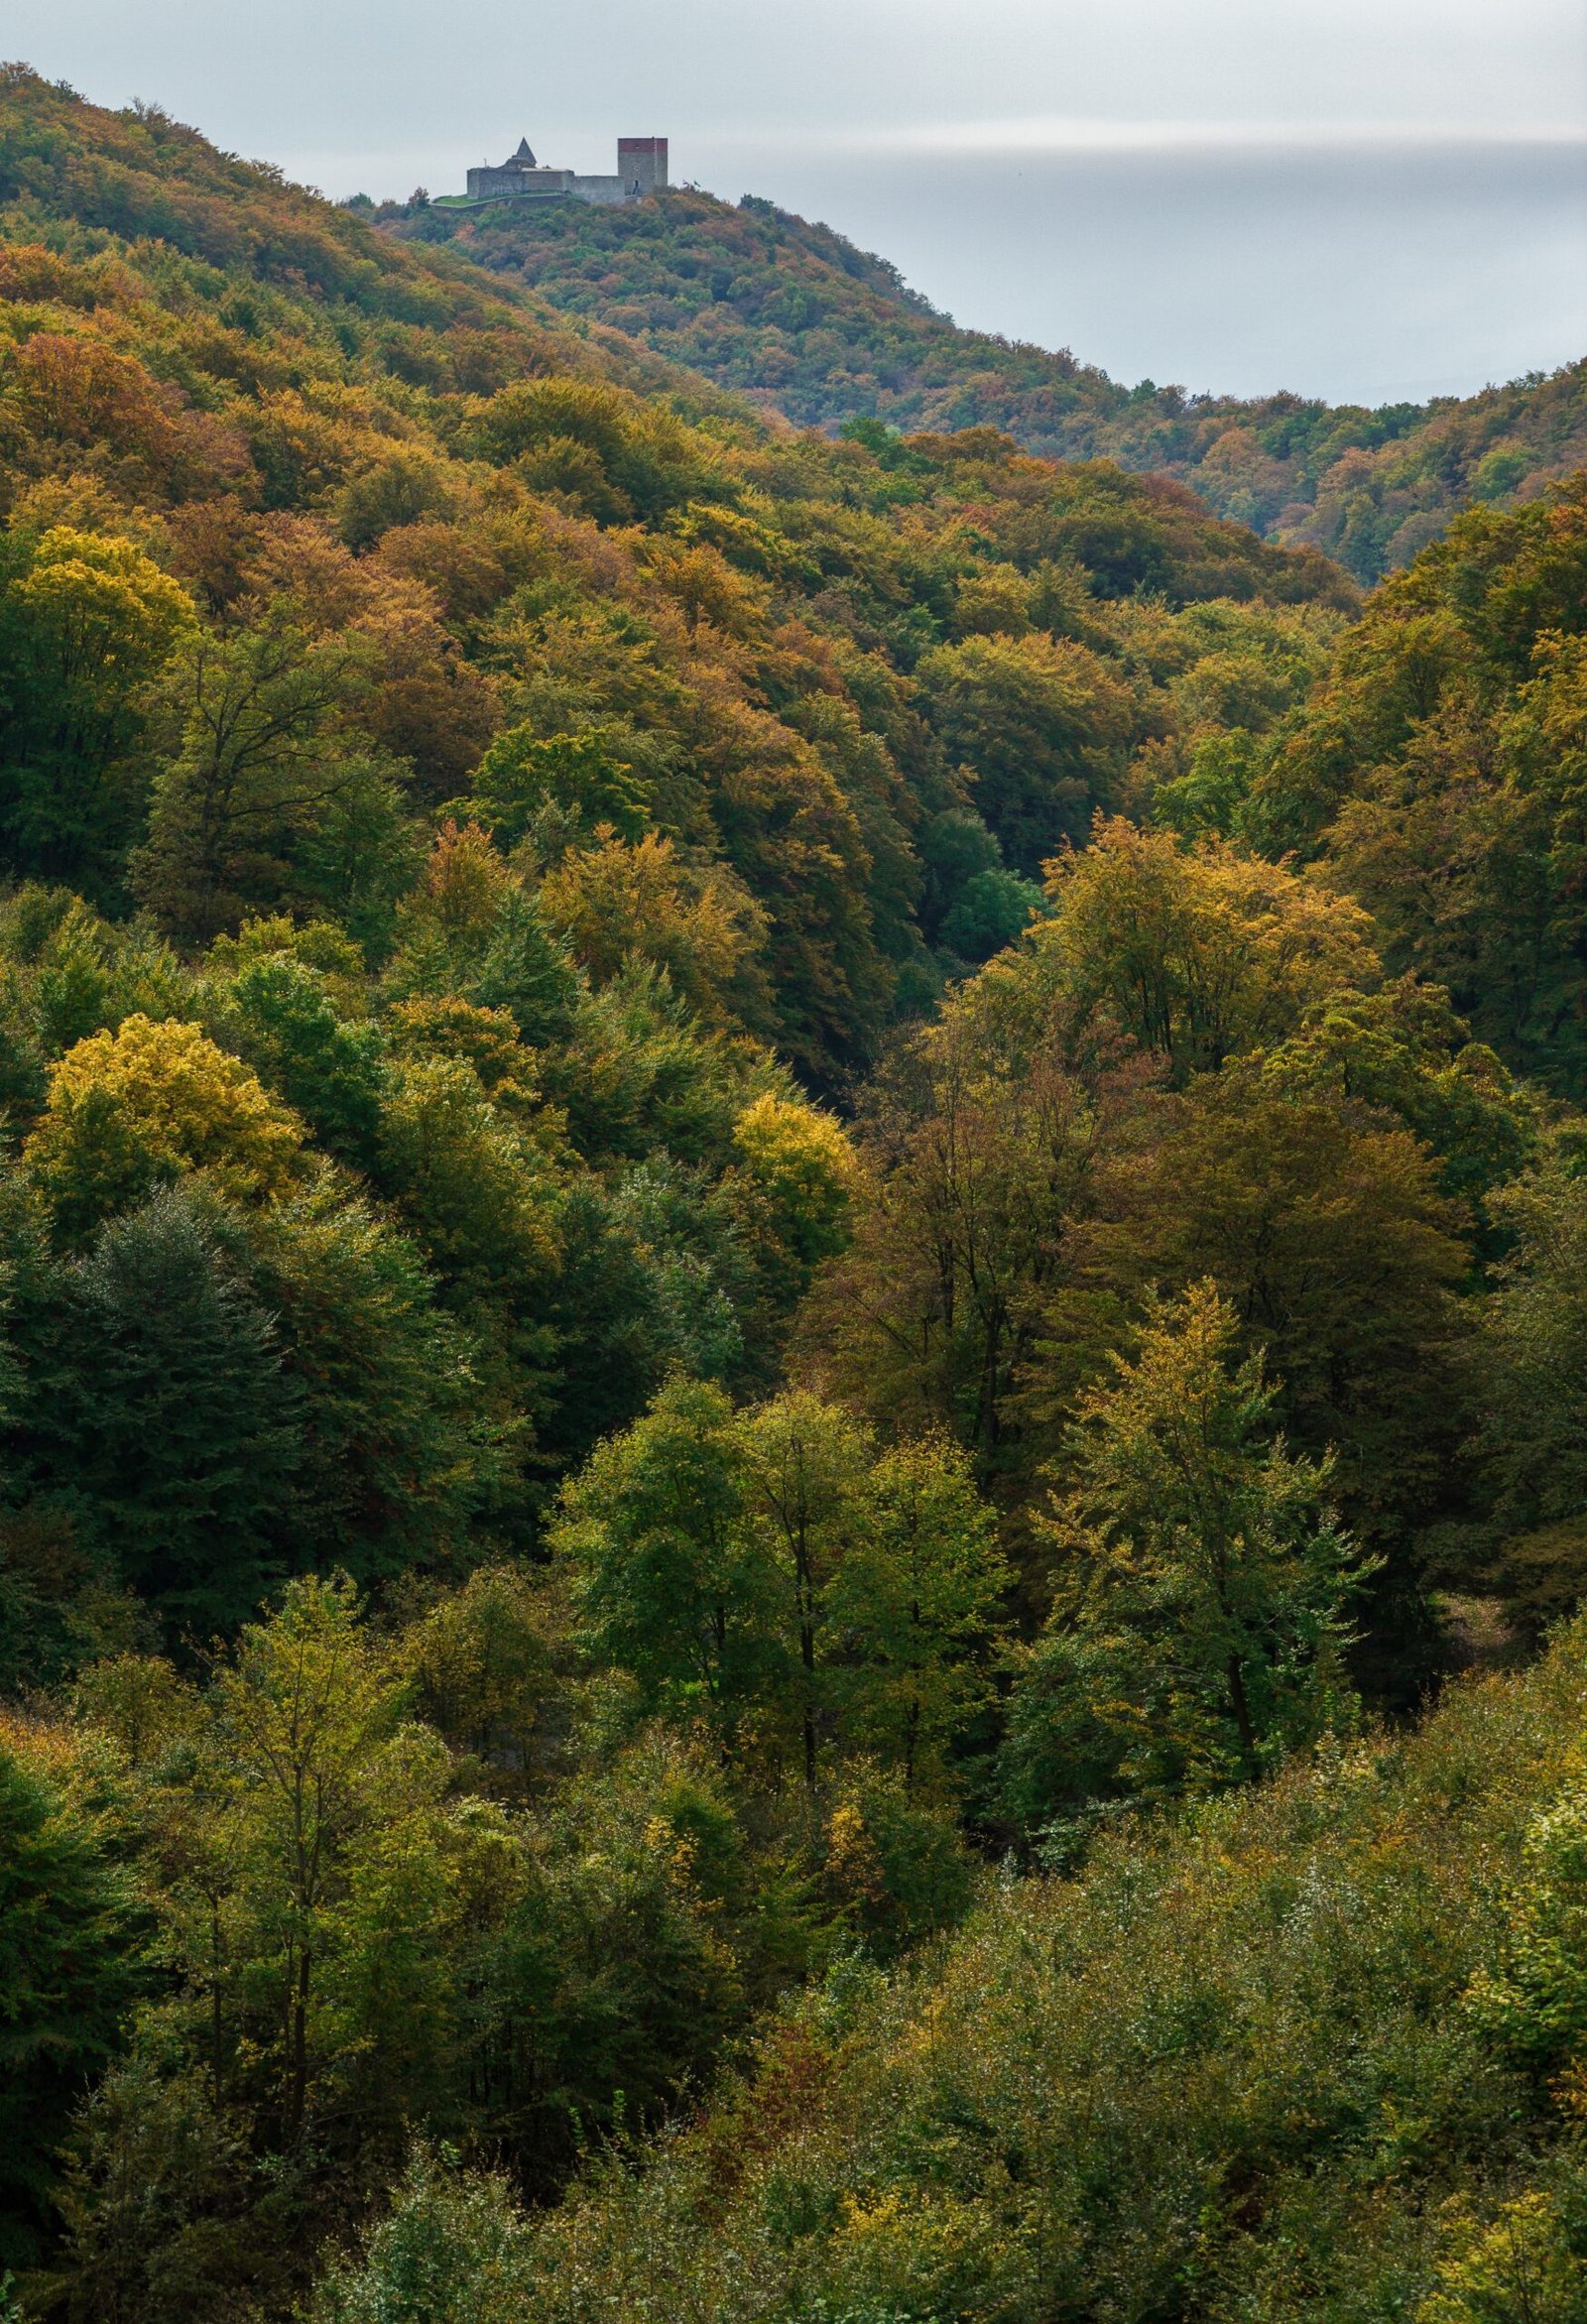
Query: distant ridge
<point>795,316</point>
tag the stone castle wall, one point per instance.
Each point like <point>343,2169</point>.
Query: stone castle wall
<point>641,170</point>
<point>485,185</point>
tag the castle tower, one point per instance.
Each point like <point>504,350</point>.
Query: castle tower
<point>642,162</point>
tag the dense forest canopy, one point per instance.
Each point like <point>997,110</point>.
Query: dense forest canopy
<point>802,322</point>
<point>792,1285</point>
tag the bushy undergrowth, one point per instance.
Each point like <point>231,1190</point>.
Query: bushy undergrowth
<point>1296,2054</point>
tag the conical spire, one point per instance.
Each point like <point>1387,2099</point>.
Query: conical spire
<point>524,154</point>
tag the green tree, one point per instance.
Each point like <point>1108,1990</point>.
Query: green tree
<point>70,1962</point>
<point>263,774</point>
<point>669,1583</point>
<point>1322,1226</point>
<point>423,2261</point>
<point>488,1664</point>
<point>1403,1050</point>
<point>955,848</point>
<point>622,1969</point>
<point>773,1575</point>
<point>992,910</point>
<point>483,1200</point>
<point>71,973</point>
<point>1042,723</point>
<point>984,1144</point>
<point>1199,1576</point>
<point>323,1816</point>
<point>802,1460</point>
<point>580,776</point>
<point>284,1019</point>
<point>479,1191</point>
<point>176,1434</point>
<point>469,932</point>
<point>913,1610</point>
<point>322,1906</point>
<point>401,1446</point>
<point>1532,1996</point>
<point>1531,1377</point>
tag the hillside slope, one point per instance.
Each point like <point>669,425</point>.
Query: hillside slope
<point>527,1541</point>
<point>1293,2060</point>
<point>794,315</point>
<point>283,407</point>
<point>89,181</point>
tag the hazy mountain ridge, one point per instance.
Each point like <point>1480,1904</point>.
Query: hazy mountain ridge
<point>797,318</point>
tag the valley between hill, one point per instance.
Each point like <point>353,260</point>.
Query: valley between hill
<point>792,1323</point>
<point>797,318</point>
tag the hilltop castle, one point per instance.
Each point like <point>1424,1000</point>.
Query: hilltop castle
<point>641,169</point>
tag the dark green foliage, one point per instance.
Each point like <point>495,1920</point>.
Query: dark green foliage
<point>993,910</point>
<point>330,1072</point>
<point>1040,724</point>
<point>251,809</point>
<point>1532,1388</point>
<point>955,848</point>
<point>1201,1606</point>
<point>152,2207</point>
<point>175,1431</point>
<point>400,1449</point>
<point>671,1584</point>
<point>579,775</point>
<point>68,1945</point>
<point>616,1979</point>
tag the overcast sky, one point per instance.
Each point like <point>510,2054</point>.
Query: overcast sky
<point>1371,196</point>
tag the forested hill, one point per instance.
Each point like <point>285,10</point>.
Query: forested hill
<point>468,538</point>
<point>797,318</point>
<point>95,182</point>
<point>646,1059</point>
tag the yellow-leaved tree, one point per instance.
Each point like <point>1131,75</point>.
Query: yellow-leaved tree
<point>86,623</point>
<point>1201,953</point>
<point>791,1186</point>
<point>133,1109</point>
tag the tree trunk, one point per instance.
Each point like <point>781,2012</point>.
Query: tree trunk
<point>299,2049</point>
<point>1242,1714</point>
<point>218,2050</point>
